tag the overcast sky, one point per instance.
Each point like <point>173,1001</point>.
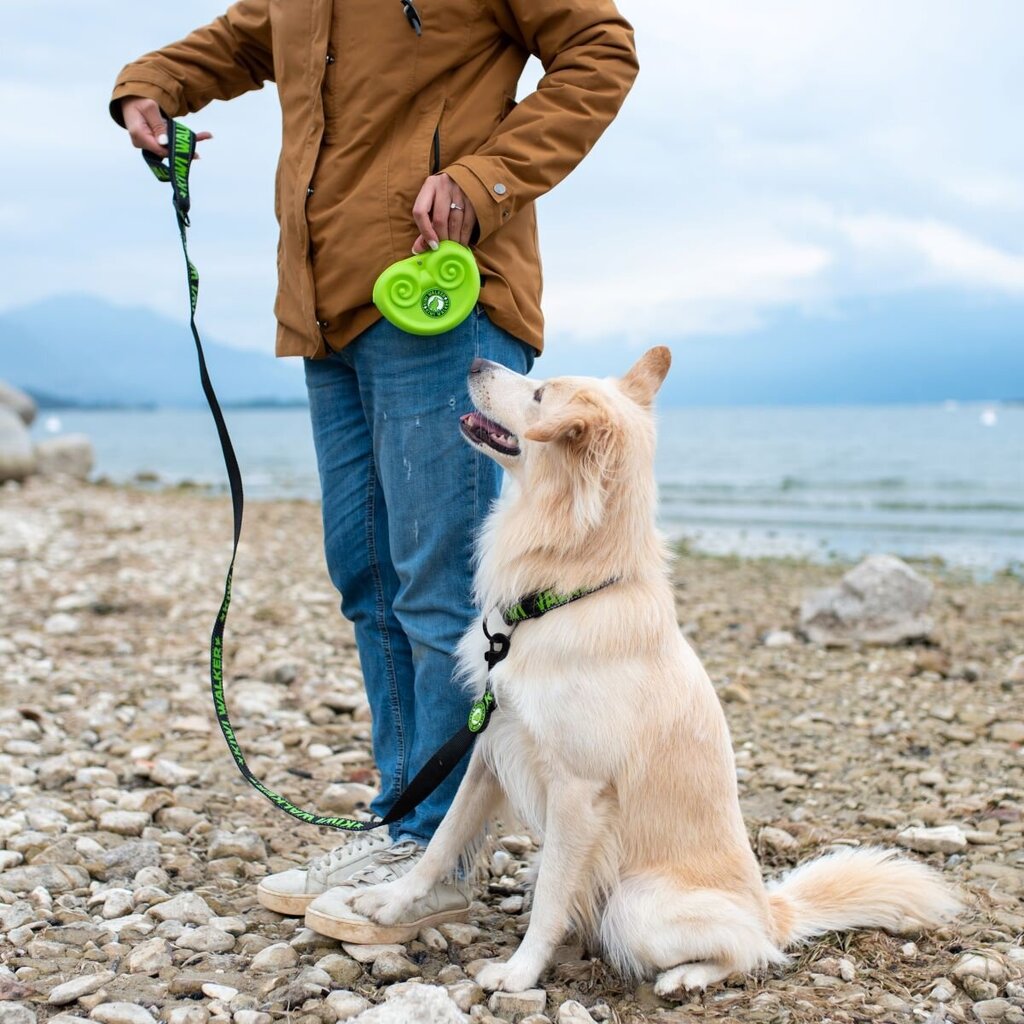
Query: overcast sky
<point>772,155</point>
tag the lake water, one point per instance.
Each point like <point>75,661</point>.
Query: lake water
<point>922,481</point>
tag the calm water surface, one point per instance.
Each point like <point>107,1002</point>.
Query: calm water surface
<point>943,481</point>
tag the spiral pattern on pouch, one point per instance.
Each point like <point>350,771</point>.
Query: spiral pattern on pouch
<point>404,290</point>
<point>450,271</point>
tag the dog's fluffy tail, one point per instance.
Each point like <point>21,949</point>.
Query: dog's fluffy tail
<point>858,888</point>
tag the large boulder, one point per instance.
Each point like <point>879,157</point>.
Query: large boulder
<point>67,455</point>
<point>24,405</point>
<point>881,601</point>
<point>17,458</point>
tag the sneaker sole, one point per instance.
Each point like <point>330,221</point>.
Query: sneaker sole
<point>283,903</point>
<point>364,932</point>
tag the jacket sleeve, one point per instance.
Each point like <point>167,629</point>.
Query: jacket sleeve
<point>226,58</point>
<point>590,63</point>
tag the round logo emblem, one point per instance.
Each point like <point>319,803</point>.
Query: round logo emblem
<point>435,303</point>
<point>477,716</point>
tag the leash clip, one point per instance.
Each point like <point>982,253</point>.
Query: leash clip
<point>500,644</point>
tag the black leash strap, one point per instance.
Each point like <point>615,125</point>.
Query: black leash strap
<point>182,146</point>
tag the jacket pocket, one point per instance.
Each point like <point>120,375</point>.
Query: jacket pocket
<point>435,145</point>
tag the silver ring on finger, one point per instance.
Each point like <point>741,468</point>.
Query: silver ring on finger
<point>455,206</point>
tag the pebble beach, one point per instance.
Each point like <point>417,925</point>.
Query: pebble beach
<point>130,848</point>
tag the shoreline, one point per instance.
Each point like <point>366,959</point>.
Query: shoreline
<point>686,546</point>
<point>109,749</point>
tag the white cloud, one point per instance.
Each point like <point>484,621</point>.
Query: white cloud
<point>936,253</point>
<point>697,282</point>
<point>798,152</point>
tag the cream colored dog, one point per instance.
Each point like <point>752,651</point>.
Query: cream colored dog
<point>608,739</point>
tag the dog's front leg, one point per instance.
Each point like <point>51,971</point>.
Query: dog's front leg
<point>474,802</point>
<point>574,820</point>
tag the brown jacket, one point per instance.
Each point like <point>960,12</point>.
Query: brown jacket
<point>370,109</point>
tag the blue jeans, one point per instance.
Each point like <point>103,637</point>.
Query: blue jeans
<point>403,495</point>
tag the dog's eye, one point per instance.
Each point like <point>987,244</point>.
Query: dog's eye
<point>538,394</point>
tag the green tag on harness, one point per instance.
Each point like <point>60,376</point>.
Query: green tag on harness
<point>430,293</point>
<point>480,712</point>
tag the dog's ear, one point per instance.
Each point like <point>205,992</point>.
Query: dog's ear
<point>646,376</point>
<point>568,424</point>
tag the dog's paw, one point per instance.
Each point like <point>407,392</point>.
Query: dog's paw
<point>384,904</point>
<point>507,977</point>
<point>674,984</point>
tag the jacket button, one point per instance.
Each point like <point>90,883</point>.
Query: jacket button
<point>310,190</point>
<point>322,324</point>
<point>500,189</point>
<point>331,58</point>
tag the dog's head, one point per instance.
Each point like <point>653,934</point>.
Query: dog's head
<point>573,437</point>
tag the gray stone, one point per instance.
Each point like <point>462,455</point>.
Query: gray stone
<point>369,952</point>
<point>70,991</point>
<point>778,840</point>
<point>148,957</point>
<point>345,797</point>
<point>225,993</point>
<point>16,1013</point>
<point>343,970</point>
<point>390,967</point>
<point>251,1017</point>
<point>244,844</point>
<point>17,456</point>
<point>992,1010</point>
<point>61,624</point>
<point>573,1012</point>
<point>459,934</point>
<point>190,1014</point>
<point>942,839</point>
<point>278,957</point>
<point>121,1013</point>
<point>186,907</point>
<point>465,994</point>
<point>124,823</point>
<point>206,939</point>
<point>1008,732</point>
<point>979,965</point>
<point>68,455</point>
<point>881,601</point>
<point>531,1001</point>
<point>126,860</point>
<point>55,878</point>
<point>17,401</point>
<point>345,1005</point>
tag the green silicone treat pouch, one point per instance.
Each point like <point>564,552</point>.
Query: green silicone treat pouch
<point>430,293</point>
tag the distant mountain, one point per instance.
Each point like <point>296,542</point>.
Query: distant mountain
<point>913,347</point>
<point>82,350</point>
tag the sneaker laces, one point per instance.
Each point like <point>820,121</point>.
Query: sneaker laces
<point>355,847</point>
<point>391,863</point>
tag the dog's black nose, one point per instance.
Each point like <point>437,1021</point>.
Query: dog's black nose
<point>480,364</point>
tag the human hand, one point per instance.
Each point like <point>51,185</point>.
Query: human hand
<point>147,127</point>
<point>442,211</point>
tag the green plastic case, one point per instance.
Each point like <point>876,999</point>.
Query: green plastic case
<point>430,293</point>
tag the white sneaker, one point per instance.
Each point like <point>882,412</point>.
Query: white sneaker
<point>332,913</point>
<point>290,892</point>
